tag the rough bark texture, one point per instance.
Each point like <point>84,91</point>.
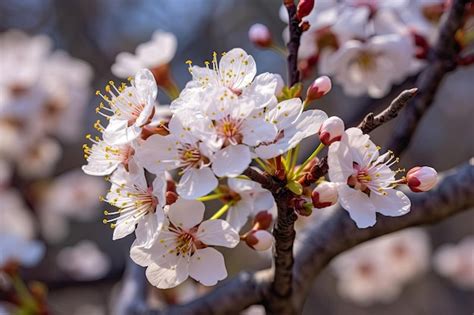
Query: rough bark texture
<point>294,43</point>
<point>336,234</point>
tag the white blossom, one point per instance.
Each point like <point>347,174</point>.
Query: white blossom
<point>365,180</point>
<point>157,52</point>
<point>181,249</point>
<point>456,262</point>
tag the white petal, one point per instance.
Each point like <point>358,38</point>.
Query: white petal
<point>286,112</point>
<point>340,162</point>
<point>207,266</point>
<point>123,228</point>
<point>231,161</point>
<point>263,89</point>
<point>237,69</point>
<point>218,233</point>
<point>118,132</point>
<point>358,205</point>
<point>394,204</point>
<point>158,153</point>
<point>168,276</point>
<point>238,214</point>
<point>256,131</point>
<point>186,213</point>
<point>146,85</point>
<point>196,183</point>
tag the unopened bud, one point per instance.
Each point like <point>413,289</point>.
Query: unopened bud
<point>324,195</point>
<point>171,197</point>
<point>421,178</point>
<point>331,130</point>
<point>304,8</point>
<point>259,240</point>
<point>262,221</point>
<point>301,206</point>
<point>320,87</point>
<point>260,35</point>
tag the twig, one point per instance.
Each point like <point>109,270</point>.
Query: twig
<point>370,122</point>
<point>293,44</point>
<point>454,194</point>
<point>442,61</point>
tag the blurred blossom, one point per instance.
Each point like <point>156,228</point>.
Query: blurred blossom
<point>154,54</point>
<point>5,173</point>
<point>376,271</point>
<point>71,195</point>
<point>84,261</point>
<point>456,262</point>
<point>15,216</point>
<point>254,310</point>
<point>39,158</point>
<point>74,195</point>
<point>16,232</point>
<point>370,67</point>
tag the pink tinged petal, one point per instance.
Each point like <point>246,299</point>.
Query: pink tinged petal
<point>158,153</point>
<point>394,204</point>
<point>359,206</point>
<point>196,183</point>
<point>186,213</point>
<point>148,227</point>
<point>168,275</point>
<point>237,69</point>
<point>238,214</point>
<point>231,161</point>
<point>340,162</point>
<point>207,266</point>
<point>100,169</point>
<point>218,233</point>
<point>159,189</point>
<point>157,252</point>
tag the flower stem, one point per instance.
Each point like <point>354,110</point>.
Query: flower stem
<point>294,159</point>
<point>263,165</point>
<point>222,210</point>
<point>309,159</point>
<point>211,197</point>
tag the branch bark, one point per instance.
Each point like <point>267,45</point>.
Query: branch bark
<point>454,194</point>
<point>293,44</point>
<point>441,61</point>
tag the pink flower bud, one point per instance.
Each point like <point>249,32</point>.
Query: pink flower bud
<point>260,35</point>
<point>422,178</point>
<point>320,87</point>
<point>259,240</point>
<point>324,195</point>
<point>304,8</point>
<point>331,130</point>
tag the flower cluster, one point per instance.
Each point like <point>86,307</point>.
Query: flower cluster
<point>163,163</point>
<point>367,46</point>
<point>378,270</point>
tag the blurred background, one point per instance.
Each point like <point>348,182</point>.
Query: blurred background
<point>41,145</point>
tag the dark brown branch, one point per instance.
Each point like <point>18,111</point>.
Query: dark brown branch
<point>442,60</point>
<point>454,194</point>
<point>132,296</point>
<point>370,122</point>
<point>293,44</point>
<point>338,233</point>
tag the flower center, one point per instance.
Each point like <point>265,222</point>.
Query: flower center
<point>228,129</point>
<point>366,60</point>
<point>190,156</point>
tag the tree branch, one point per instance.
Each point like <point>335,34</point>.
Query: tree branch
<point>293,44</point>
<point>370,122</point>
<point>336,234</point>
<point>442,60</point>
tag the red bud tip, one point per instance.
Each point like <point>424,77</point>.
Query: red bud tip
<point>324,195</point>
<point>331,130</point>
<point>171,197</point>
<point>263,220</point>
<point>421,179</point>
<point>259,240</point>
<point>304,8</point>
<point>320,87</point>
